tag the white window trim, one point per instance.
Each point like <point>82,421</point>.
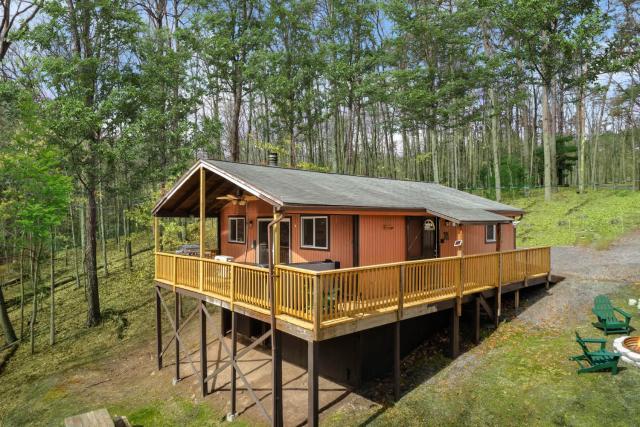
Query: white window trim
<point>314,246</point>
<point>244,234</point>
<point>495,232</point>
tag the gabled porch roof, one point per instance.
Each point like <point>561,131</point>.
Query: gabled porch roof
<point>301,189</point>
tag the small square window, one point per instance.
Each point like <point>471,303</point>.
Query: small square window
<point>315,232</point>
<point>236,229</point>
<point>490,233</point>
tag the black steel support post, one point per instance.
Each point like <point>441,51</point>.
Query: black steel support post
<point>312,371</point>
<point>234,351</point>
<point>276,349</point>
<point>396,361</point>
<point>496,307</point>
<point>476,320</point>
<point>455,333</point>
<point>177,327</point>
<point>159,326</point>
<point>203,349</point>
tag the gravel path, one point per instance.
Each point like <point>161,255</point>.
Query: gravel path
<point>588,272</point>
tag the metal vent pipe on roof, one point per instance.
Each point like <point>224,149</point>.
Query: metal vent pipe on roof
<point>272,159</point>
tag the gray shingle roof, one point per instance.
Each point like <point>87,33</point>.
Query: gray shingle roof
<point>293,187</point>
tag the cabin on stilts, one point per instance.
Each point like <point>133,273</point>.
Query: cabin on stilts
<point>327,270</point>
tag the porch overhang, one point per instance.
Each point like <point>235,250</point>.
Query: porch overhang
<point>183,199</point>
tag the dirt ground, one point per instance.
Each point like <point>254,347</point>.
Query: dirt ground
<point>588,272</point>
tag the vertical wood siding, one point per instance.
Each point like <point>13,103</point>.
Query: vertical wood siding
<point>340,242</point>
<point>382,239</point>
<point>340,236</point>
<point>474,239</point>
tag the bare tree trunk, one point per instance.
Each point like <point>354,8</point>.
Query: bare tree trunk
<point>580,119</point>
<point>103,237</point>
<point>52,304</point>
<point>5,321</point>
<point>547,135</point>
<point>75,246</point>
<point>93,297</point>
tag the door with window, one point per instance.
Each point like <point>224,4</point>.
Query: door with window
<point>263,244</point>
<point>421,238</point>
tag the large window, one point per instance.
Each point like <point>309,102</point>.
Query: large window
<point>314,232</point>
<point>490,233</point>
<point>236,229</point>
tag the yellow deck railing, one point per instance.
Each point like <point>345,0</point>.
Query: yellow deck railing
<point>316,297</point>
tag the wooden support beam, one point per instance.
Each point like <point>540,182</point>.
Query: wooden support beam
<point>476,320</point>
<point>159,327</point>
<point>485,306</point>
<point>156,234</point>
<point>176,326</point>
<point>455,333</point>
<point>203,186</point>
<point>460,236</point>
<point>396,361</point>
<point>313,406</point>
<point>516,299</point>
<point>203,349</point>
<point>234,353</point>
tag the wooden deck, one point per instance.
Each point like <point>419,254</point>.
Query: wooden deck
<point>322,305</point>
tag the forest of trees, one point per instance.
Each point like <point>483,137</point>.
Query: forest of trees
<point>103,103</point>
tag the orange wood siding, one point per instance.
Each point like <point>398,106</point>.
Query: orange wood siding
<point>447,237</point>
<point>251,211</point>
<point>474,239</point>
<point>340,242</point>
<point>382,239</point>
<point>340,235</point>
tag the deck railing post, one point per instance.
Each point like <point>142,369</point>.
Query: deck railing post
<point>232,286</point>
<point>175,272</point>
<point>401,291</point>
<point>201,274</point>
<point>460,290</point>
<point>317,305</point>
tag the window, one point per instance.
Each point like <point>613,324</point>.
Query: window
<point>314,232</point>
<point>236,229</point>
<point>490,233</point>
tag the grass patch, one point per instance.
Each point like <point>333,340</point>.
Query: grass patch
<point>596,218</point>
<point>519,375</point>
<point>58,381</point>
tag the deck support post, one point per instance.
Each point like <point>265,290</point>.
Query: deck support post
<point>234,351</point>
<point>476,320</point>
<point>203,349</point>
<point>277,419</point>
<point>516,299</point>
<point>159,327</point>
<point>313,393</point>
<point>455,333</point>
<point>175,331</point>
<point>396,361</point>
<point>496,306</point>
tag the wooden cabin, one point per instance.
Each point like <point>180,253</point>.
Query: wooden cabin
<point>347,259</point>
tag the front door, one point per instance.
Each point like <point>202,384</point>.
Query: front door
<point>421,238</point>
<point>263,244</point>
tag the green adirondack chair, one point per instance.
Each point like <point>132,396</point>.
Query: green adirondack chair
<point>607,319</point>
<point>599,360</point>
